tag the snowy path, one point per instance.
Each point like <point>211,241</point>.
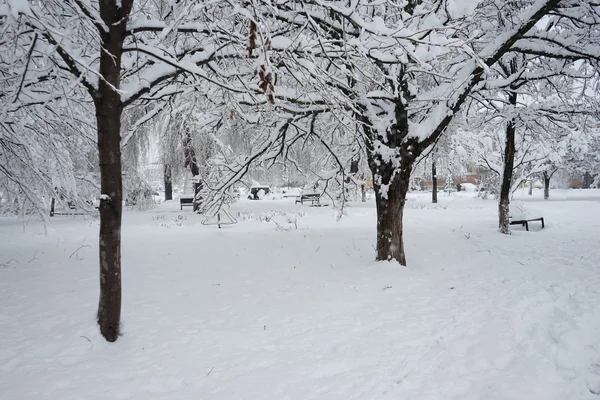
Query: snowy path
<point>254,312</point>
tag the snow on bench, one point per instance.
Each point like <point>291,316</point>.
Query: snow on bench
<point>312,197</point>
<point>520,216</point>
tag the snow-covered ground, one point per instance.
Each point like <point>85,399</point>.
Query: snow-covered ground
<point>289,304</point>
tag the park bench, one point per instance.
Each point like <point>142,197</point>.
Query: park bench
<point>525,222</point>
<point>314,198</point>
<point>519,215</point>
<point>186,201</point>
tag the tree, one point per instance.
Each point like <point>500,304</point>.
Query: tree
<point>540,99</point>
<point>398,77</point>
<point>120,54</point>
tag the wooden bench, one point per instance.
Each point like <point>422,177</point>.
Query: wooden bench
<point>186,201</point>
<point>312,197</point>
<point>525,222</point>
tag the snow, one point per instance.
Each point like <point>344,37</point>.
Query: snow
<point>280,43</point>
<point>468,187</point>
<point>289,304</point>
<point>15,8</point>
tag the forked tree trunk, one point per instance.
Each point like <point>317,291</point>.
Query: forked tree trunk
<point>108,117</point>
<point>509,161</point>
<point>391,180</point>
<point>434,182</point>
<point>168,182</point>
<point>547,177</point>
<point>547,185</point>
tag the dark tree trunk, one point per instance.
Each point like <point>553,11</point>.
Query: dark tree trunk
<point>509,155</point>
<point>191,162</point>
<point>587,180</point>
<point>189,154</point>
<point>547,177</point>
<point>363,193</point>
<point>509,160</point>
<point>531,187</point>
<point>168,182</point>
<point>391,182</point>
<point>390,210</point>
<point>434,182</point>
<point>108,116</point>
<point>547,185</point>
<point>52,203</point>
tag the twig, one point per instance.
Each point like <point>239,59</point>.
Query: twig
<point>34,258</point>
<point>80,247</point>
<point>29,53</point>
<point>211,369</point>
<point>7,263</point>
<point>279,227</point>
<point>86,338</point>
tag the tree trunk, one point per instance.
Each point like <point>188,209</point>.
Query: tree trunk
<point>434,182</point>
<point>390,210</point>
<point>587,180</point>
<point>52,203</point>
<point>531,187</point>
<point>547,185</point>
<point>191,162</point>
<point>509,160</point>
<point>107,102</point>
<point>168,182</point>
<point>391,180</point>
<point>363,193</point>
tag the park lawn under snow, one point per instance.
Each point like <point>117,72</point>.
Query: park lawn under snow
<point>298,309</point>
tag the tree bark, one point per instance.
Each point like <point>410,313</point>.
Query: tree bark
<point>52,203</point>
<point>191,162</point>
<point>587,180</point>
<point>509,160</point>
<point>391,181</point>
<point>547,177</point>
<point>390,211</point>
<point>168,182</point>
<point>363,193</point>
<point>107,102</point>
<point>434,182</point>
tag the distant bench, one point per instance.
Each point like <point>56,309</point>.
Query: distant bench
<point>312,197</point>
<point>186,201</point>
<point>525,222</point>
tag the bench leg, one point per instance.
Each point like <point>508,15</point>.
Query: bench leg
<point>542,223</point>
<point>527,226</point>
